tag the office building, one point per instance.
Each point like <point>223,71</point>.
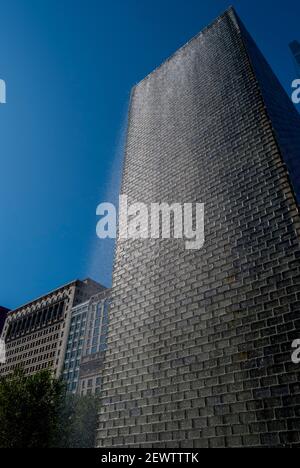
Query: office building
<point>86,345</point>
<point>95,345</point>
<point>36,333</point>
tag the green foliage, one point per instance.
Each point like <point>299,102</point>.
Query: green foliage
<point>36,412</point>
<point>78,422</point>
<point>29,409</point>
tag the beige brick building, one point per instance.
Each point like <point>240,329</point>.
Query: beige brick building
<point>36,333</point>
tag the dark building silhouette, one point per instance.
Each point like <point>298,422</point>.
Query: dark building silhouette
<point>295,48</point>
<point>199,346</point>
<point>3,314</point>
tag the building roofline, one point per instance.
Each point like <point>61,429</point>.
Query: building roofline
<point>50,293</point>
<point>98,296</point>
<point>229,10</point>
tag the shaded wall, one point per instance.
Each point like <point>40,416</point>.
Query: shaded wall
<point>199,348</point>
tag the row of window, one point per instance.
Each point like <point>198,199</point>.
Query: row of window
<point>91,386</point>
<point>15,356</point>
<point>34,336</point>
<point>32,344</point>
<point>30,370</point>
<point>35,320</point>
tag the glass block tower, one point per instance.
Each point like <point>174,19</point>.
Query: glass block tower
<point>200,341</point>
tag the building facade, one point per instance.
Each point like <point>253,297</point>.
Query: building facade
<point>86,345</point>
<point>74,346</point>
<point>35,334</point>
<point>199,343</point>
<point>3,314</point>
<point>95,345</point>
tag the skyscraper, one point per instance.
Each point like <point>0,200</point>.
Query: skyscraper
<point>95,344</point>
<point>86,345</point>
<point>200,341</point>
<point>73,350</point>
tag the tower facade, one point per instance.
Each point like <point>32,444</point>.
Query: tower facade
<point>200,341</point>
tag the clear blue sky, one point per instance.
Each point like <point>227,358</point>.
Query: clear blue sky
<point>69,66</point>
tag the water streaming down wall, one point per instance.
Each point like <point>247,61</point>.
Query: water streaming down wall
<point>102,250</point>
<point>200,341</point>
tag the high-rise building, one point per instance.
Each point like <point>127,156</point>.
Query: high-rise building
<point>295,48</point>
<point>200,341</point>
<point>36,334</point>
<point>95,345</point>
<point>3,314</point>
<point>86,345</point>
<point>74,346</point>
